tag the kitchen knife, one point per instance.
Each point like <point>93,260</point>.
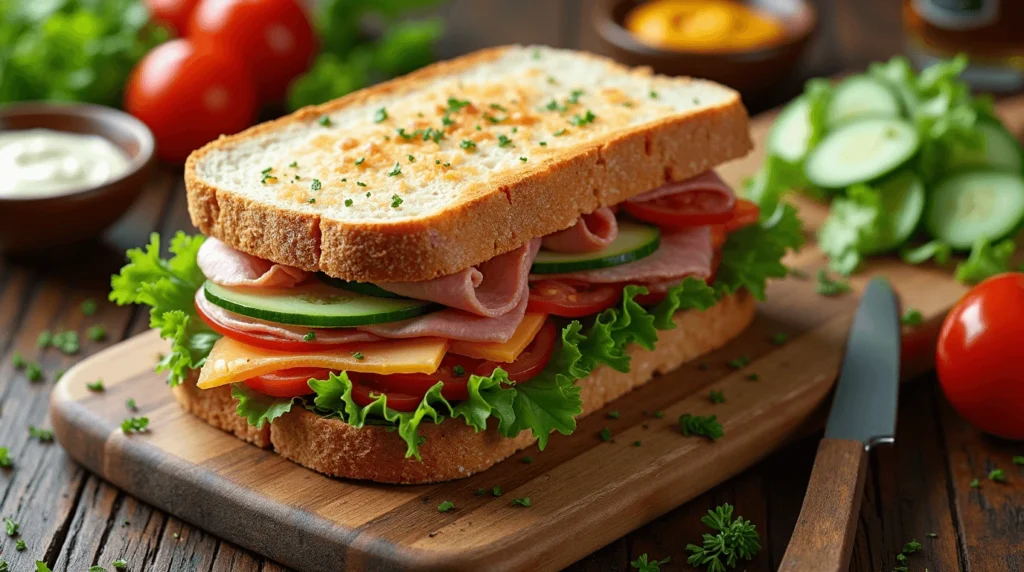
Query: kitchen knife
<point>863,415</point>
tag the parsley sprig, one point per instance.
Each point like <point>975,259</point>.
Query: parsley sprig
<point>695,425</point>
<point>643,564</point>
<point>735,540</point>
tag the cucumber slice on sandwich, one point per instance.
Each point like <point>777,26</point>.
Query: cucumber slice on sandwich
<point>858,97</point>
<point>861,151</point>
<point>634,241</point>
<point>315,305</point>
<point>367,288</point>
<point>975,204</point>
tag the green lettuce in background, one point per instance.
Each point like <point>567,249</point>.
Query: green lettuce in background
<point>549,402</point>
<point>72,50</point>
<point>351,58</point>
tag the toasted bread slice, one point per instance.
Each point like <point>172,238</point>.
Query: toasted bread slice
<point>364,188</point>
<point>452,449</point>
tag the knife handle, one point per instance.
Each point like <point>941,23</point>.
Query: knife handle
<point>825,530</point>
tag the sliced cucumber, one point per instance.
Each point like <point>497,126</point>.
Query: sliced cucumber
<point>903,205</point>
<point>635,241</point>
<point>791,133</point>
<point>366,288</point>
<point>999,149</point>
<point>975,204</point>
<point>861,151</point>
<point>317,305</point>
<point>861,96</point>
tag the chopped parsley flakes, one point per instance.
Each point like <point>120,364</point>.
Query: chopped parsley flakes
<point>348,202</point>
<point>135,425</point>
<point>44,435</point>
<point>316,185</point>
<point>780,338</point>
<point>696,425</point>
<point>95,386</point>
<point>716,396</point>
<point>96,333</point>
<point>912,317</point>
<point>88,307</point>
<point>739,362</point>
<point>396,201</point>
<point>521,501</point>
<point>560,132</point>
<point>380,115</point>
<point>458,371</point>
<point>445,506</point>
<point>605,434</point>
<point>396,170</point>
<point>831,287</point>
<point>587,118</point>
<point>468,144</point>
<point>504,141</point>
<point>5,458</point>
<point>324,121</point>
<point>310,336</point>
<point>358,355</point>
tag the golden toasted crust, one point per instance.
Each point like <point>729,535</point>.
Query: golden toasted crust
<point>512,207</point>
<point>217,408</point>
<point>454,450</point>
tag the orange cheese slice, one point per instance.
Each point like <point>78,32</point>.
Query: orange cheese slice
<point>508,351</point>
<point>231,361</point>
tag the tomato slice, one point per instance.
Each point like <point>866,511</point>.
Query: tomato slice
<point>365,391</point>
<point>531,361</point>
<point>287,382</point>
<point>745,213</point>
<point>418,383</point>
<point>692,208</point>
<point>265,341</point>
<point>571,299</point>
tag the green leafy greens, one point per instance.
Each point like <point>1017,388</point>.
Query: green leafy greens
<point>72,50</point>
<point>548,402</point>
<point>735,540</point>
<point>350,59</point>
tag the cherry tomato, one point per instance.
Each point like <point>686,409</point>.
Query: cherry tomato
<point>188,93</point>
<point>531,361</point>
<point>174,13</point>
<point>978,356</point>
<point>287,382</point>
<point>692,208</point>
<point>365,391</point>
<point>262,340</point>
<point>745,213</point>
<point>418,383</point>
<point>274,37</point>
<point>571,299</point>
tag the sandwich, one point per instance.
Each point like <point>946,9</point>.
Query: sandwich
<point>412,282</point>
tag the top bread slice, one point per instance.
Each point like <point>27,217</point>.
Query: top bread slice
<point>367,188</point>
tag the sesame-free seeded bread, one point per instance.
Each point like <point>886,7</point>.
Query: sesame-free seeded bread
<point>364,188</point>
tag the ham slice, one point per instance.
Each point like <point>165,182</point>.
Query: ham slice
<point>226,266</point>
<point>249,325</point>
<point>707,181</point>
<point>457,324</point>
<point>683,252</point>
<point>491,289</point>
<point>591,232</point>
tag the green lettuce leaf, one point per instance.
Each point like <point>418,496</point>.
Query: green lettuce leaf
<point>549,402</point>
<point>168,286</point>
<point>818,93</point>
<point>934,250</point>
<point>986,260</point>
<point>257,408</point>
<point>853,229</point>
<point>754,254</point>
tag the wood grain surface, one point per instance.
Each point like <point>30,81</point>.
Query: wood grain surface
<point>584,492</point>
<point>824,534</point>
<point>918,489</point>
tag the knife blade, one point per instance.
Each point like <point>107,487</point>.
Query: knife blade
<point>864,406</point>
<point>863,415</point>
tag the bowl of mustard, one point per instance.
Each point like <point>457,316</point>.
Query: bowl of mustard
<point>745,44</point>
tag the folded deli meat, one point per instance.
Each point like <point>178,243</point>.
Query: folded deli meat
<point>410,283</point>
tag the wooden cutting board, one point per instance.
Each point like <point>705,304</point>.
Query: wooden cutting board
<point>585,492</point>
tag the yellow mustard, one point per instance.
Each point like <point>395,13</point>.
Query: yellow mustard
<point>703,25</point>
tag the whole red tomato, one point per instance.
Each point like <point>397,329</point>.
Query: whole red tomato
<point>273,36</point>
<point>188,94</point>
<point>978,356</point>
<point>174,13</point>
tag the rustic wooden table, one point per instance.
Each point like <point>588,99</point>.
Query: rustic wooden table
<point>918,489</point>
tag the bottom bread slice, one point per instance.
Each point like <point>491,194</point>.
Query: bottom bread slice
<point>454,450</point>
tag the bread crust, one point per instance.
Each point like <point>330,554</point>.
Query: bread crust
<point>500,216</point>
<point>454,450</point>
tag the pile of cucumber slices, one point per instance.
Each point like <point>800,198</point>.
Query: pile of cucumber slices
<point>910,162</point>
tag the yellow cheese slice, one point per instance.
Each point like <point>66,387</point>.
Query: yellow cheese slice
<point>231,361</point>
<point>508,351</point>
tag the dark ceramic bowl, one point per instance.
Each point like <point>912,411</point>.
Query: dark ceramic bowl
<point>75,214</point>
<point>750,72</point>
